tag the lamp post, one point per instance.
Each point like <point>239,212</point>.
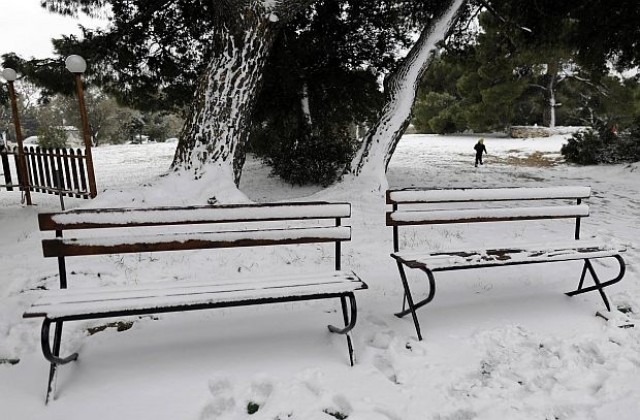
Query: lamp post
<point>23,175</point>
<point>77,65</point>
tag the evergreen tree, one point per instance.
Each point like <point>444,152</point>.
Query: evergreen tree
<point>227,45</point>
<point>525,65</point>
<point>335,52</point>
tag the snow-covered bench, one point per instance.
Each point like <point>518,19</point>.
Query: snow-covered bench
<point>412,207</point>
<point>138,230</point>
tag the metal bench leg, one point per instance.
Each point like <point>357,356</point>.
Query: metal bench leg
<point>404,296</point>
<point>583,275</point>
<point>413,306</point>
<point>599,286</point>
<point>349,322</point>
<point>53,355</point>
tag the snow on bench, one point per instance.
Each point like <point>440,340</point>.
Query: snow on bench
<point>523,253</point>
<point>133,230</point>
<point>414,217</point>
<point>420,195</point>
<point>404,213</point>
<point>206,214</point>
<point>67,304</point>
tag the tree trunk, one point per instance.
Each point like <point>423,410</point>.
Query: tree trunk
<point>379,143</point>
<point>549,114</point>
<point>304,103</point>
<point>217,127</point>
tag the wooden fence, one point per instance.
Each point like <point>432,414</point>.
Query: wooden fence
<point>49,170</point>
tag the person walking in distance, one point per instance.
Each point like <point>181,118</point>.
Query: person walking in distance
<point>480,148</point>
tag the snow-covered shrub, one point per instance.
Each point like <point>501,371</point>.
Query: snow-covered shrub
<point>603,144</point>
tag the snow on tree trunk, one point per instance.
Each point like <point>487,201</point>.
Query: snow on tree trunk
<point>217,126</point>
<point>379,143</point>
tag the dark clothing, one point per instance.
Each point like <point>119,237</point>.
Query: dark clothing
<point>479,148</point>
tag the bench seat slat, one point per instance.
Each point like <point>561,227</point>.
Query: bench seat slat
<point>161,216</point>
<point>166,287</point>
<point>415,195</point>
<point>416,217</point>
<point>103,301</point>
<point>191,240</point>
<point>517,254</point>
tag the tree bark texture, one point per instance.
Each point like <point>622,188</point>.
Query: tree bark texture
<point>217,127</point>
<point>400,90</point>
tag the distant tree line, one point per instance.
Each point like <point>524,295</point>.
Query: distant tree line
<point>503,75</point>
<point>49,117</point>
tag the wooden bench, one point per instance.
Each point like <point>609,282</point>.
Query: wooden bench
<point>149,230</point>
<point>412,207</point>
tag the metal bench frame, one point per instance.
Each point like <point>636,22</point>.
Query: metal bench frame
<point>421,196</point>
<point>95,219</point>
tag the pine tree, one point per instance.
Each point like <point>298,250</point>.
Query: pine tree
<point>527,65</point>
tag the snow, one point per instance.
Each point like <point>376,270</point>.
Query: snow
<point>132,216</point>
<point>487,194</point>
<point>498,342</point>
<point>110,300</point>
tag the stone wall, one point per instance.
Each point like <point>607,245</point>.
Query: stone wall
<point>525,131</point>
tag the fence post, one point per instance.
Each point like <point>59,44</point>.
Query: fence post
<point>6,169</point>
<point>58,181</point>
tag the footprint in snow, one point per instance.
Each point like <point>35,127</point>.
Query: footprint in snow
<point>223,401</point>
<point>261,390</point>
<point>377,321</point>
<point>381,340</point>
<point>385,367</point>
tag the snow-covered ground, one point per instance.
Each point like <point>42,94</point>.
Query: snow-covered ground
<point>499,343</point>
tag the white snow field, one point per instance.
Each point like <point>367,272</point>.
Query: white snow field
<point>499,343</point>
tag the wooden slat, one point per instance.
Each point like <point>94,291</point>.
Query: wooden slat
<point>159,289</point>
<point>6,169</point>
<point>33,169</point>
<point>59,172</point>
<point>517,254</point>
<point>417,195</point>
<point>161,216</point>
<point>82,164</point>
<point>116,291</point>
<point>40,179</point>
<point>191,241</point>
<point>74,170</point>
<point>430,217</point>
<point>48,170</point>
<point>67,173</point>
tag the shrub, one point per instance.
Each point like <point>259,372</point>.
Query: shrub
<point>52,137</point>
<point>316,158</point>
<point>601,144</point>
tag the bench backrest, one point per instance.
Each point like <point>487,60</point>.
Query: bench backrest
<point>218,226</point>
<point>414,206</point>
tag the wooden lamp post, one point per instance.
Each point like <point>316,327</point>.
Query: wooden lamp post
<point>77,65</point>
<point>10,76</point>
